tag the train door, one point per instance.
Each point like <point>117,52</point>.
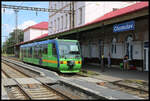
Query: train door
<point>52,56</point>
<point>146,56</point>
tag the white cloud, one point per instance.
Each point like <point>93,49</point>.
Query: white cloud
<point>7,28</point>
<point>26,24</point>
<point>7,11</point>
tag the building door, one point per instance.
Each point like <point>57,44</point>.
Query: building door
<point>146,57</point>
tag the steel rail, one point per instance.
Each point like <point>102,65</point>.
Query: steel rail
<point>18,85</point>
<point>15,68</point>
<point>22,90</point>
<point>56,91</point>
<point>43,84</point>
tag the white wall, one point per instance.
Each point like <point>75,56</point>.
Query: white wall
<point>33,33</point>
<point>90,11</point>
<point>137,50</point>
<point>120,50</point>
<point>36,32</point>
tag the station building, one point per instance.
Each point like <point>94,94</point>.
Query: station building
<point>84,12</point>
<point>35,31</point>
<point>121,32</point>
<point>128,35</point>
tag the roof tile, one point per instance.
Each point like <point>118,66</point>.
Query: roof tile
<point>41,25</point>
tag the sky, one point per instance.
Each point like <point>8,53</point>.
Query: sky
<point>26,18</point>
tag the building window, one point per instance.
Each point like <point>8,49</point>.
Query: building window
<point>66,21</point>
<point>113,48</point>
<point>129,47</point>
<point>51,5</point>
<point>54,26</point>
<point>58,23</point>
<point>62,4</point>
<point>62,22</point>
<point>55,6</point>
<point>51,26</point>
<point>80,15</point>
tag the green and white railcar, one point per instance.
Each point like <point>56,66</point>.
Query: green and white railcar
<point>58,54</point>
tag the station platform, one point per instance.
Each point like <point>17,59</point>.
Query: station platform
<point>117,73</point>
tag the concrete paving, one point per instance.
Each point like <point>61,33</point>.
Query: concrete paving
<point>48,80</point>
<point>4,95</point>
<point>88,79</point>
<point>116,73</point>
<point>100,90</point>
<point>26,81</point>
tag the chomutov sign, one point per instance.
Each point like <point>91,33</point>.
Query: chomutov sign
<point>124,26</point>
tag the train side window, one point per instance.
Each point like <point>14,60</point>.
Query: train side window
<point>25,54</point>
<point>40,51</point>
<point>54,53</point>
<point>30,52</point>
<point>22,52</point>
<point>35,52</point>
<point>45,48</point>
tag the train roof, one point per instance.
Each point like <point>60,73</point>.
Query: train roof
<point>45,42</point>
<point>37,43</point>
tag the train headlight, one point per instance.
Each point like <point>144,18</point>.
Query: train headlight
<point>63,62</point>
<point>77,62</point>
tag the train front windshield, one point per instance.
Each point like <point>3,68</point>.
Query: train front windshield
<point>69,49</point>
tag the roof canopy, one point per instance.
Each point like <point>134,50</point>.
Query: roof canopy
<point>113,14</point>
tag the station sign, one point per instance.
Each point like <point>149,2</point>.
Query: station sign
<point>124,26</point>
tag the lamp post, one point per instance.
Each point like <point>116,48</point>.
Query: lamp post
<point>16,35</point>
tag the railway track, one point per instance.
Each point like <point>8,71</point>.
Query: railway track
<point>28,91</point>
<point>59,90</point>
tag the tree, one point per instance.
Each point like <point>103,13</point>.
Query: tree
<point>8,46</point>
